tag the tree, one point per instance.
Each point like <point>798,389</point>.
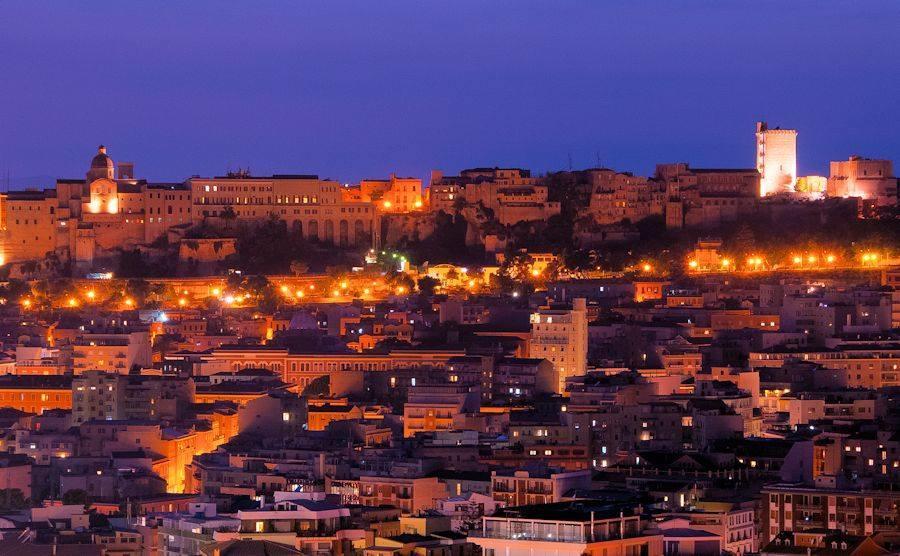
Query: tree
<point>138,289</point>
<point>256,284</point>
<point>228,216</point>
<point>234,281</point>
<point>156,295</point>
<point>14,289</point>
<point>400,280</point>
<point>76,496</point>
<point>166,343</point>
<point>427,285</point>
<point>12,499</point>
<point>743,241</point>
<point>318,387</point>
<point>269,248</point>
<point>133,263</point>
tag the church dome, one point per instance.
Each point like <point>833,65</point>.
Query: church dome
<point>101,160</point>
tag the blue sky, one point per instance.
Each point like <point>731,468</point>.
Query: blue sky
<point>360,89</point>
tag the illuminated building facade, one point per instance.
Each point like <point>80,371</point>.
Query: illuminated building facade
<point>311,206</point>
<point>36,394</point>
<point>865,178</point>
<point>776,159</point>
<point>86,218</point>
<point>561,337</point>
<point>619,196</point>
<point>707,197</point>
<point>511,193</point>
<point>114,351</point>
<point>394,195</point>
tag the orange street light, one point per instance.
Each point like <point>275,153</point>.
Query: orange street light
<point>647,267</point>
<point>693,264</point>
<point>182,302</point>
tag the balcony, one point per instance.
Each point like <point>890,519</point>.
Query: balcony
<point>548,534</point>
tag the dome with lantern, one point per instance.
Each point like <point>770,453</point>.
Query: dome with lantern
<point>102,166</point>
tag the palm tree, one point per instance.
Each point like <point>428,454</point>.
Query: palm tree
<point>228,216</point>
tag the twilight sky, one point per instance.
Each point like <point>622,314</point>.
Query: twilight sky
<point>361,89</point>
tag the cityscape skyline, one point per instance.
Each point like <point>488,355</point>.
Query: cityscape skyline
<point>308,95</point>
<point>47,180</point>
<point>503,278</point>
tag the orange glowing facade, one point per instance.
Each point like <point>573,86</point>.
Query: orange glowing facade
<point>865,178</point>
<point>36,394</point>
<point>81,219</point>
<point>393,195</point>
<point>311,206</point>
<point>776,159</point>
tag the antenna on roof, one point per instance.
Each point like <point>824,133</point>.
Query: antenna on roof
<point>570,160</point>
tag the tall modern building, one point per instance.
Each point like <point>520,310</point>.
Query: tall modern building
<point>776,159</point>
<point>560,335</point>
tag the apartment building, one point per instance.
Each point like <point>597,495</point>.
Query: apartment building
<point>560,335</point>
<point>113,350</point>
<point>98,395</point>
<point>35,393</point>
<point>566,529</point>
<point>733,522</point>
<point>537,485</point>
<point>798,508</point>
<point>410,494</point>
<point>433,408</point>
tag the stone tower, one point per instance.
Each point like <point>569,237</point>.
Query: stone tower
<point>776,159</point>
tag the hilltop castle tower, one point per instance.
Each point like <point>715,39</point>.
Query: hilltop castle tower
<point>776,159</point>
